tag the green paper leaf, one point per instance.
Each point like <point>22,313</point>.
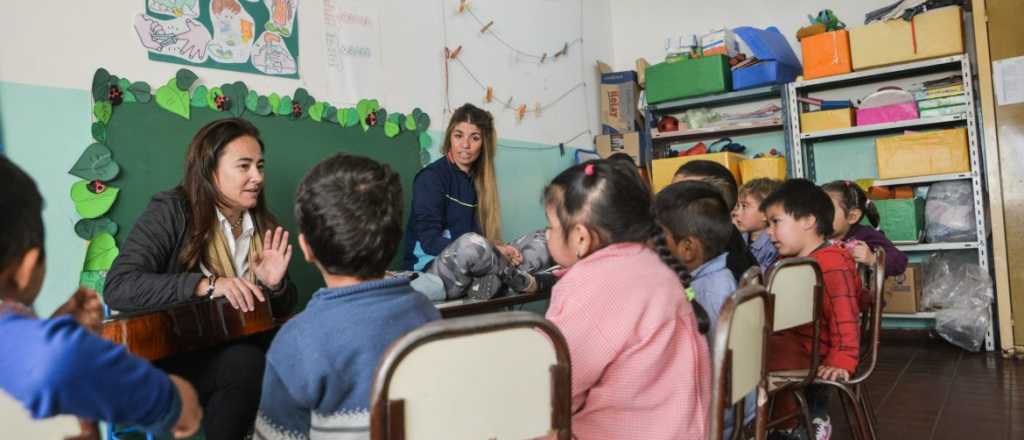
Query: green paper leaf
<point>366,106</point>
<point>425,140</point>
<point>302,97</point>
<point>89,228</point>
<point>171,98</point>
<point>96,163</point>
<point>424,157</point>
<point>199,96</point>
<point>331,114</point>
<point>124,84</point>
<point>89,204</point>
<point>100,85</point>
<point>391,129</point>
<point>184,79</point>
<point>112,81</point>
<point>93,279</point>
<point>284,108</point>
<point>410,123</point>
<point>101,253</point>
<point>102,110</point>
<point>211,98</point>
<point>251,99</point>
<point>275,101</point>
<point>316,111</point>
<point>140,91</point>
<point>348,117</point>
<point>422,121</point>
<point>99,132</point>
<point>236,93</point>
<point>263,107</point>
<point>128,97</point>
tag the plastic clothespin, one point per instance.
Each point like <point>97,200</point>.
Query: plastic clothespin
<point>561,149</point>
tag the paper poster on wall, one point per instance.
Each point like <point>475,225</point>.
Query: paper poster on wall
<point>253,36</point>
<point>352,41</point>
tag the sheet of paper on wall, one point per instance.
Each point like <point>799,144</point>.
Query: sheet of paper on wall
<point>352,43</point>
<point>253,36</point>
<point>1008,75</point>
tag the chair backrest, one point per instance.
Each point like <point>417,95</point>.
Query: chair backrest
<point>739,353</point>
<point>795,286</point>
<point>17,423</point>
<point>500,375</point>
<point>871,319</point>
<point>751,277</point>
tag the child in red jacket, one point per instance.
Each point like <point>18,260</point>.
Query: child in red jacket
<point>799,222</point>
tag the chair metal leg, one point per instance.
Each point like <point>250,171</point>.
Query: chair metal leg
<point>856,431</point>
<point>871,416</point>
<point>804,411</point>
<point>861,419</point>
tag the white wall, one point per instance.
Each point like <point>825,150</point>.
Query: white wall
<point>61,44</point>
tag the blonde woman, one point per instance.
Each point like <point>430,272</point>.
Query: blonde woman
<point>454,229</point>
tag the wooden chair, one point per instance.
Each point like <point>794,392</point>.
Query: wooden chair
<point>751,277</point>
<point>495,376</point>
<point>795,289</point>
<point>17,423</point>
<point>853,393</point>
<point>739,358</point>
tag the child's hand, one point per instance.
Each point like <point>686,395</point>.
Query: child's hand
<point>511,253</point>
<point>861,253</point>
<point>191,411</point>
<point>834,374</point>
<point>84,305</point>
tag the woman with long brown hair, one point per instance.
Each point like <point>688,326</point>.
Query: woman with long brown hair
<point>211,236</point>
<point>454,229</point>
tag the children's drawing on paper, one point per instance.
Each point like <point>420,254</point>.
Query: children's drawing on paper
<point>233,31</point>
<point>271,56</point>
<point>183,38</point>
<point>177,8</point>
<point>282,16</point>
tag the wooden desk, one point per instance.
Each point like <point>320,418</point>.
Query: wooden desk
<point>466,307</point>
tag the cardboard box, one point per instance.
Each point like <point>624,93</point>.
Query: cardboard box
<point>902,293</point>
<point>881,44</point>
<point>773,167</point>
<point>949,101</point>
<point>901,219</point>
<point>826,120</point>
<point>826,54</point>
<point>720,42</point>
<point>939,32</point>
<point>620,93</point>
<point>662,170</point>
<point>923,154</point>
<point>629,143</point>
<point>688,77</point>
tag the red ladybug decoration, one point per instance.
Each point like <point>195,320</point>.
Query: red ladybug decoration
<point>97,187</point>
<point>296,110</point>
<point>115,95</point>
<point>222,102</point>
<point>371,119</point>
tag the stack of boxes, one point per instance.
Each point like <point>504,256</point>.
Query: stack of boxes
<point>620,118</point>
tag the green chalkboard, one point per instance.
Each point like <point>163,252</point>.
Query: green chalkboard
<point>149,144</point>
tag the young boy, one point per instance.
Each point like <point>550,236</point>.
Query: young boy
<point>320,366</point>
<point>799,220</point>
<point>56,366</point>
<point>751,221</point>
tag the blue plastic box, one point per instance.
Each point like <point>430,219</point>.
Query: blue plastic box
<point>779,64</point>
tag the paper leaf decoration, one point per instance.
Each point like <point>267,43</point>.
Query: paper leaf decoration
<point>101,253</point>
<point>199,97</point>
<point>422,119</point>
<point>140,91</point>
<point>93,279</point>
<point>211,98</point>
<point>96,163</point>
<point>184,79</point>
<point>410,123</point>
<point>102,110</point>
<point>284,108</point>
<point>391,127</point>
<point>316,111</point>
<point>275,101</point>
<point>425,140</point>
<point>99,131</point>
<point>330,113</point>
<point>251,100</point>
<point>348,117</point>
<point>169,97</point>
<point>89,204</point>
<point>100,85</point>
<point>89,228</point>
<point>263,107</point>
<point>236,93</point>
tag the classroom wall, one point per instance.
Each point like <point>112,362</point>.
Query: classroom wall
<point>45,105</point>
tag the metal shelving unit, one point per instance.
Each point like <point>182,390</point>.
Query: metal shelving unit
<point>801,145</point>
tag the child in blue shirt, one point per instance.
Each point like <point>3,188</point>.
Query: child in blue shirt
<point>320,366</point>
<point>58,366</point>
<point>751,221</point>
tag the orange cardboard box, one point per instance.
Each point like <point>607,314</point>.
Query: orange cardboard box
<point>826,54</point>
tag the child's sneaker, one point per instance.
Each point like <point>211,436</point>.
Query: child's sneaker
<point>822,428</point>
<point>485,287</point>
<point>787,434</point>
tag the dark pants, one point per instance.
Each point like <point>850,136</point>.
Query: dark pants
<point>228,380</point>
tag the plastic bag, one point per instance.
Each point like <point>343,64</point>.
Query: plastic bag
<point>949,212</point>
<point>962,293</point>
<point>964,328</point>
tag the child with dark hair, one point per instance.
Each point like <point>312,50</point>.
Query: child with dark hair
<point>799,224</point>
<point>640,367</point>
<point>58,366</point>
<point>739,259</point>
<point>853,205</point>
<point>752,222</point>
<point>349,212</point>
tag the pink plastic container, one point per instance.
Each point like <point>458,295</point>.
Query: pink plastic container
<point>888,113</point>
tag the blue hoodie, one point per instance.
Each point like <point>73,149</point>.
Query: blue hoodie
<point>443,208</point>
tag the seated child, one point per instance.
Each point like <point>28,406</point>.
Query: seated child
<point>320,366</point>
<point>58,366</point>
<point>740,259</point>
<point>799,223</point>
<point>640,367</point>
<point>751,221</point>
<point>852,205</point>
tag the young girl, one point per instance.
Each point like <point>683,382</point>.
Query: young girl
<point>852,205</point>
<point>640,367</point>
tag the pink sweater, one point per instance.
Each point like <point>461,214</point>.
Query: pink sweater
<point>640,367</point>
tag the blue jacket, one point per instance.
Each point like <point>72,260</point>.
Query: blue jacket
<point>56,367</point>
<point>712,284</point>
<point>763,249</point>
<point>443,208</point>
<point>320,366</point>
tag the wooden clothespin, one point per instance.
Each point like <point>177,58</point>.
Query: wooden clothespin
<point>487,26</point>
<point>565,50</point>
<point>520,112</point>
<point>463,6</point>
<point>543,57</point>
<point>509,103</point>
<point>455,53</point>
<point>561,149</point>
<point>490,95</point>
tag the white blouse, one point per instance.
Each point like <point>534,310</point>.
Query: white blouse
<point>239,247</point>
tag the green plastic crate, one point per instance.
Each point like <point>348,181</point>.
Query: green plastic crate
<point>902,220</point>
<point>687,78</point>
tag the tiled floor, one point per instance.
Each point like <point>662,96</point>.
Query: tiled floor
<point>925,388</point>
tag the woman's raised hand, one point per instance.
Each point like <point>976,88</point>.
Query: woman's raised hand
<point>273,260</point>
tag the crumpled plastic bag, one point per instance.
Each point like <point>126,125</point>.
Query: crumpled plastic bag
<point>949,213</point>
<point>961,292</point>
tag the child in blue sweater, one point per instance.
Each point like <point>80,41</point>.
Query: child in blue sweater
<point>320,366</point>
<point>58,366</point>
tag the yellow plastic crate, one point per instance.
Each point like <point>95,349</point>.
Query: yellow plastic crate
<point>662,170</point>
<point>763,167</point>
